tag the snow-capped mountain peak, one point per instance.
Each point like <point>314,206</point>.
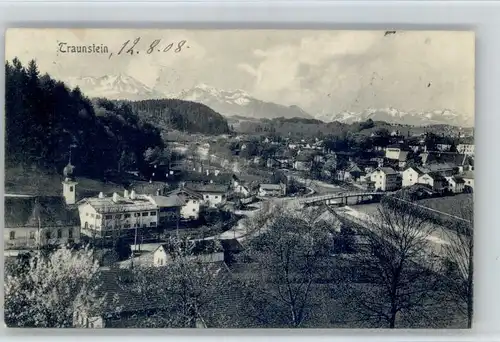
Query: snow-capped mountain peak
<point>117,87</point>
<point>239,102</point>
<point>396,116</point>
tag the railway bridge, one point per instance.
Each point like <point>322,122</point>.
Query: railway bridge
<point>333,198</point>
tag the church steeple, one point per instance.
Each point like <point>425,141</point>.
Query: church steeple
<point>69,183</point>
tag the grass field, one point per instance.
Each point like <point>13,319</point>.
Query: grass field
<point>44,183</point>
<point>450,204</point>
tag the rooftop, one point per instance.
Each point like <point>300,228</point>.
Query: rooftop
<point>172,200</point>
<point>271,186</point>
<point>122,204</point>
<point>388,170</point>
<point>213,188</point>
<point>30,211</point>
<point>468,175</point>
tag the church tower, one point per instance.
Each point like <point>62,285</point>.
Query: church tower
<point>69,184</point>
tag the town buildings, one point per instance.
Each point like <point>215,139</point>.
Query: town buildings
<point>272,190</point>
<point>385,179</point>
<point>213,195</point>
<point>111,217</point>
<point>466,148</point>
<point>33,222</point>
<point>204,251</point>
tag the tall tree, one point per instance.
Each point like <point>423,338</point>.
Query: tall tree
<point>287,258</point>
<point>397,264</point>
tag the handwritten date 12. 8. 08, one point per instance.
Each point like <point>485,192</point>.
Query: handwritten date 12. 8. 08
<point>136,46</point>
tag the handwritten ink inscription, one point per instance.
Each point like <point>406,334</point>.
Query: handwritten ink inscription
<point>137,46</point>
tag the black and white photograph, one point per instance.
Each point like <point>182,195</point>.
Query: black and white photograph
<point>239,179</point>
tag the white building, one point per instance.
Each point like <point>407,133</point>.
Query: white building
<point>205,251</point>
<point>468,178</point>
<point>275,190</point>
<point>466,148</point>
<point>411,175</point>
<point>37,221</point>
<point>192,201</point>
<point>117,216</point>
<point>394,152</point>
<point>213,195</point>
<point>456,184</point>
<point>385,179</point>
<point>436,181</point>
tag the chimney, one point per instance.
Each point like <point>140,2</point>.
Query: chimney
<point>132,194</point>
<point>125,194</point>
<point>115,197</point>
<point>101,195</point>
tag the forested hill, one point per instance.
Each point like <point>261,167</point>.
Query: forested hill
<point>307,128</point>
<point>181,115</point>
<point>44,118</point>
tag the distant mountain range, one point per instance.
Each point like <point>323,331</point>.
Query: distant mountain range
<point>395,116</point>
<point>238,103</point>
<point>114,87</point>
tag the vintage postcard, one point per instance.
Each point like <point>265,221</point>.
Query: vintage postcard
<point>239,178</point>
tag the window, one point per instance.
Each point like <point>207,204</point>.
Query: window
<point>152,224</point>
<point>145,214</point>
<point>153,213</point>
<point>32,235</point>
<point>118,216</point>
<point>70,189</point>
<point>86,214</point>
<point>127,215</point>
<point>70,233</point>
<point>98,216</point>
<point>59,233</point>
<point>194,209</point>
<point>109,217</point>
<point>144,225</point>
<point>86,225</point>
<point>206,196</point>
<point>137,214</point>
<point>91,215</point>
<point>12,235</point>
<point>216,197</point>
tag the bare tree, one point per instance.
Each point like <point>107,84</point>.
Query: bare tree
<point>397,264</point>
<point>287,258</point>
<point>459,254</point>
<point>184,292</point>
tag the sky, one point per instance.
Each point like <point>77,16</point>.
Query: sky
<point>320,71</point>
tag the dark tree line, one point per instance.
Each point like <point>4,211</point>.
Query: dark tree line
<point>44,118</point>
<point>181,115</point>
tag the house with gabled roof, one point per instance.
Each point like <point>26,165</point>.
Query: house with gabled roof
<point>468,177</point>
<point>36,221</point>
<point>411,175</point>
<point>435,180</point>
<point>204,251</point>
<point>385,179</point>
<point>212,194</point>
<point>456,184</point>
